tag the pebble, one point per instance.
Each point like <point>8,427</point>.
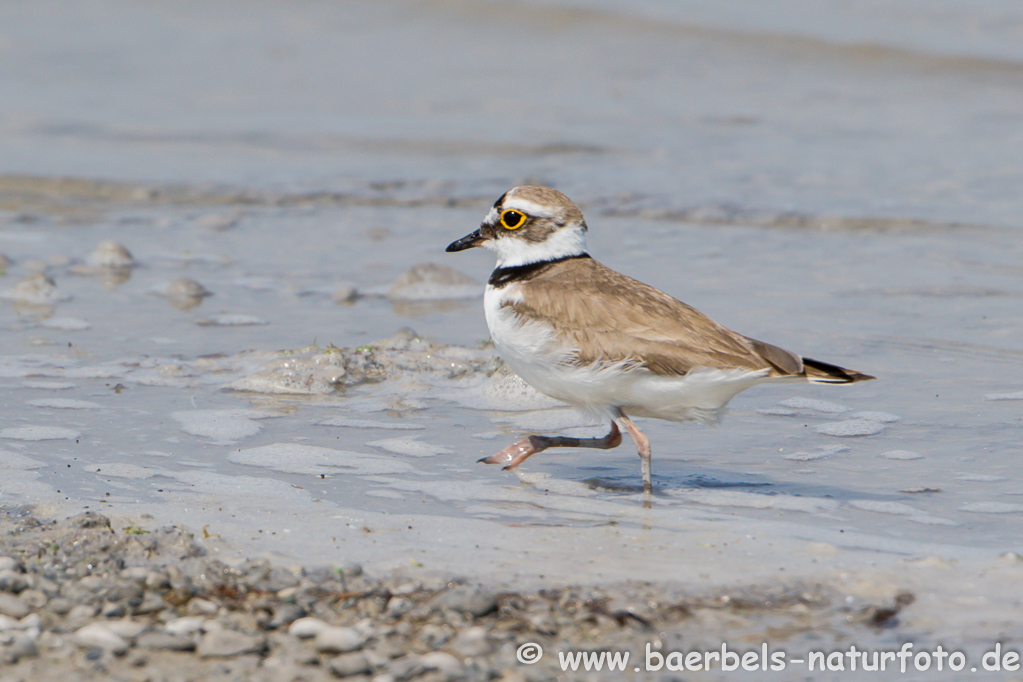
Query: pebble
<point>110,254</point>
<point>304,628</point>
<point>474,601</point>
<point>398,606</point>
<point>12,581</point>
<point>346,665</point>
<point>99,635</point>
<point>443,662</point>
<point>165,641</point>
<point>337,640</point>
<point>186,625</point>
<point>61,606</point>
<point>12,606</point>
<point>285,614</point>
<point>9,564</point>
<point>21,647</point>
<point>128,629</point>
<point>38,289</point>
<point>472,642</point>
<point>227,643</point>
<point>345,294</point>
<point>430,282</point>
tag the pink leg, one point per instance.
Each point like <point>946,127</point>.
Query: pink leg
<point>642,447</point>
<point>520,451</point>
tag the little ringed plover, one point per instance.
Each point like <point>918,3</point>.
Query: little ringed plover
<point>603,342</point>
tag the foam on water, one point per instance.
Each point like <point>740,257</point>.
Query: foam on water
<point>223,426</point>
<point>315,460</point>
<point>49,385</point>
<point>991,508</point>
<point>902,454</point>
<point>881,417</point>
<point>851,427</point>
<point>824,406</point>
<point>64,404</point>
<point>410,447</point>
<point>31,433</point>
<point>68,324</point>
<point>231,320</point>
<point>369,424</point>
<point>1004,396</point>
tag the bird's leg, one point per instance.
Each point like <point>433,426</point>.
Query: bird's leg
<point>520,451</point>
<point>642,447</point>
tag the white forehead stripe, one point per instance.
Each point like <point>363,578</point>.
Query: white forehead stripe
<point>528,207</point>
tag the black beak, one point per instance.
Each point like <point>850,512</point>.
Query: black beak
<point>467,242</point>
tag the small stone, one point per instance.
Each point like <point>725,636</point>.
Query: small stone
<point>34,599</point>
<point>157,580</point>
<point>430,282</point>
<point>91,520</point>
<point>37,289</point>
<point>112,610</point>
<point>135,573</point>
<point>9,564</point>
<point>472,642</point>
<point>285,614</point>
<point>100,636</point>
<point>184,626</point>
<point>345,294</point>
<point>12,606</point>
<point>60,606</point>
<point>110,254</point>
<point>474,601</point>
<point>442,662</point>
<point>127,629</point>
<point>398,606</point>
<point>183,287</point>
<point>20,648</point>
<point>165,641</point>
<point>81,612</point>
<point>202,607</point>
<point>32,621</point>
<point>346,665</point>
<point>405,668</point>
<point>337,640</point>
<point>304,628</point>
<point>12,581</point>
<point>151,603</point>
<point>227,643</point>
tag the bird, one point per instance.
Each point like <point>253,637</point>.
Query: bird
<point>605,343</point>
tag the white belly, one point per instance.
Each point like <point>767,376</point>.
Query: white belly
<point>532,350</point>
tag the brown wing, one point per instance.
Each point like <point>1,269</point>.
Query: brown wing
<point>615,318</point>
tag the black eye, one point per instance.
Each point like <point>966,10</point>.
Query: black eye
<point>512,219</point>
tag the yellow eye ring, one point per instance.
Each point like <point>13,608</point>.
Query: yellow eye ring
<point>512,219</point>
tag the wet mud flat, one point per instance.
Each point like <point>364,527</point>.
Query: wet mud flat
<point>271,409</point>
<point>90,597</point>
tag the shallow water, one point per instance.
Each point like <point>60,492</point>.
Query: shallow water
<point>854,203</point>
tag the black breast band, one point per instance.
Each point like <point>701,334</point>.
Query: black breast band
<point>518,273</point>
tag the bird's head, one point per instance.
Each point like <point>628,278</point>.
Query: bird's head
<point>529,224</point>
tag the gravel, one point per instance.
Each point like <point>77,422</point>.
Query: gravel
<point>84,599</point>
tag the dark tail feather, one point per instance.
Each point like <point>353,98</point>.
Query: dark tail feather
<point>823,373</point>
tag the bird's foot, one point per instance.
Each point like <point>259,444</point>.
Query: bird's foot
<point>516,453</point>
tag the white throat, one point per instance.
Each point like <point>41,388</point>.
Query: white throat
<point>512,251</point>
